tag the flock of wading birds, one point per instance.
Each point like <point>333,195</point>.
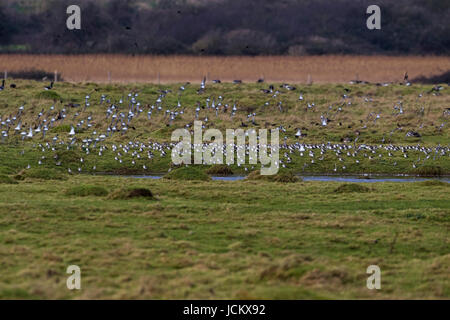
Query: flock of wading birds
<point>120,116</point>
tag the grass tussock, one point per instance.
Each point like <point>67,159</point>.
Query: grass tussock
<point>4,179</point>
<point>429,171</point>
<point>352,187</point>
<point>87,190</point>
<point>48,95</point>
<point>68,156</point>
<point>220,169</point>
<point>187,173</point>
<point>40,174</point>
<point>283,176</point>
<point>61,128</point>
<point>131,193</point>
<point>434,183</point>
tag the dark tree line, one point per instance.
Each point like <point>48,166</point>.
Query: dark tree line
<point>228,27</point>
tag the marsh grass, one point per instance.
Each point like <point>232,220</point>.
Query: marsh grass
<point>187,173</point>
<point>70,156</point>
<point>352,187</point>
<point>169,69</point>
<point>283,176</point>
<point>429,171</point>
<point>207,239</point>
<point>434,183</point>
<point>61,128</point>
<point>40,174</point>
<point>87,190</point>
<point>48,95</point>
<point>296,115</point>
<point>220,169</point>
<point>7,179</point>
<point>131,193</point>
<point>223,240</point>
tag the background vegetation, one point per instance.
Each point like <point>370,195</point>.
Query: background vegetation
<point>226,27</point>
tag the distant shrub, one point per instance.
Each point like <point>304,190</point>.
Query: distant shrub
<point>87,190</point>
<point>186,26</point>
<point>34,74</point>
<point>297,50</point>
<point>220,169</point>
<point>41,174</point>
<point>210,43</point>
<point>187,173</point>
<point>322,45</point>
<point>249,42</point>
<point>440,78</point>
<point>130,193</point>
<point>352,187</point>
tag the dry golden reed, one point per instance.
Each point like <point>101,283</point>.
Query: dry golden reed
<point>167,69</point>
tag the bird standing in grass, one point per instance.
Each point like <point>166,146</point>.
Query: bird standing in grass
<point>50,87</point>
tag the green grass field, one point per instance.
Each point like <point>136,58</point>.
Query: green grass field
<point>181,238</point>
<point>352,121</point>
<point>206,240</point>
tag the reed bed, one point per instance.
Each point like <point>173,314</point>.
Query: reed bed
<point>170,69</point>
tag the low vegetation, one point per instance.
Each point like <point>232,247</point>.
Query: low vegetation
<point>188,237</point>
<point>178,69</point>
<point>131,193</point>
<point>225,27</point>
<point>7,179</point>
<point>187,173</point>
<point>87,190</point>
<point>33,74</point>
<point>220,170</point>
<point>430,171</point>
<point>223,240</point>
<point>40,174</point>
<point>354,125</point>
<point>434,183</point>
<point>48,95</point>
<point>352,187</point>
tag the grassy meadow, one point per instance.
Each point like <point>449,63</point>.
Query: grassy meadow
<point>187,237</point>
<point>223,240</point>
<point>351,118</point>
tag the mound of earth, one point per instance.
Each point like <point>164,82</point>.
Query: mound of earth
<point>187,173</point>
<point>131,193</point>
<point>352,187</point>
